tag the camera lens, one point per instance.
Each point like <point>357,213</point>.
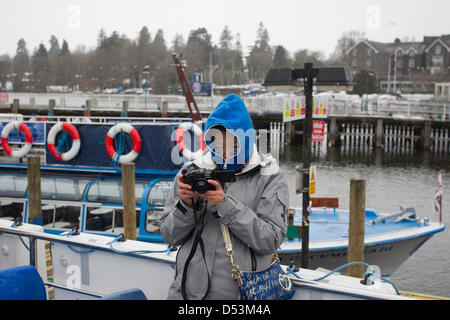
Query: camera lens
<point>201,187</point>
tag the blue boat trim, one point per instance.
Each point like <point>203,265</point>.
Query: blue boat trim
<point>367,244</point>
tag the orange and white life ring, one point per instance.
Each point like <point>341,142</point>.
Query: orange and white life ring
<point>109,143</point>
<point>188,154</point>
<point>17,125</point>
<point>76,141</point>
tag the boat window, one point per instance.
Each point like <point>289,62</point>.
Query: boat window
<point>63,187</point>
<point>160,192</point>
<point>107,219</point>
<point>13,184</point>
<point>153,218</point>
<point>60,216</point>
<point>10,210</point>
<point>110,190</point>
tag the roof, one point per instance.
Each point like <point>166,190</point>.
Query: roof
<point>418,47</point>
<point>327,76</point>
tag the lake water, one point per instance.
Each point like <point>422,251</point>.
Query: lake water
<point>391,180</point>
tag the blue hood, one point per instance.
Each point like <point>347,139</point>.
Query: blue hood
<point>232,113</point>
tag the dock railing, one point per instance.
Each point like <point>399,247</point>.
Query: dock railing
<point>338,105</point>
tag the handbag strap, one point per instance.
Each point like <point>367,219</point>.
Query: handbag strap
<point>235,271</point>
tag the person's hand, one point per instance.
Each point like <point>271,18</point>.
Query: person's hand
<point>214,197</point>
<point>185,192</point>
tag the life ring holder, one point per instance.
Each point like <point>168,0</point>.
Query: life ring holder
<point>76,141</point>
<point>17,125</point>
<point>109,143</point>
<point>188,154</point>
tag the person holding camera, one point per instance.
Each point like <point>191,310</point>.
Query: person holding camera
<point>232,184</point>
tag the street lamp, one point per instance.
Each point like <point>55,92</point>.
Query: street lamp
<point>146,71</point>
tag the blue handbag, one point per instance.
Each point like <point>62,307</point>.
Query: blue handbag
<point>268,284</point>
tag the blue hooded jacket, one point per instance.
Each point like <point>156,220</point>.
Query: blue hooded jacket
<point>232,113</point>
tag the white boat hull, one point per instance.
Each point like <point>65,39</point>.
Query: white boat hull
<point>86,267</point>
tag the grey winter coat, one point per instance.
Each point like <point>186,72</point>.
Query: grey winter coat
<point>255,210</point>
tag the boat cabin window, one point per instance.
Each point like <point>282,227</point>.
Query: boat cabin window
<point>60,216</point>
<point>10,210</point>
<point>153,217</point>
<point>107,219</point>
<point>63,187</point>
<point>13,184</point>
<point>110,190</point>
<point>159,193</point>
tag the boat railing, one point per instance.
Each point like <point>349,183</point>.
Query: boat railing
<point>37,239</point>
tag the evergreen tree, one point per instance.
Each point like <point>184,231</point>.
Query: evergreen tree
<point>259,60</point>
<point>365,83</point>
<point>40,69</point>
<point>21,67</point>
<point>281,58</point>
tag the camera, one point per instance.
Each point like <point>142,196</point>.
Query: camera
<point>198,178</point>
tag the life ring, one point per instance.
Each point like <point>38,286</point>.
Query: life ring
<point>109,143</point>
<point>188,154</point>
<point>17,125</point>
<point>76,141</point>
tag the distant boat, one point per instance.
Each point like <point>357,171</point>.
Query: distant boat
<point>389,239</point>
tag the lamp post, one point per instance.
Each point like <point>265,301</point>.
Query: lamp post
<point>308,74</point>
<point>146,71</point>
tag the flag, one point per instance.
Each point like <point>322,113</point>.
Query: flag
<point>438,194</point>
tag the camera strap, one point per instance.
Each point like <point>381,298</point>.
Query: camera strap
<point>197,241</point>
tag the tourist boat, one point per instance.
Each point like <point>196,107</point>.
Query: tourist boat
<point>84,191</point>
<point>38,265</point>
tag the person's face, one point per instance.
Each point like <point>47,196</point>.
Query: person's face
<point>226,143</point>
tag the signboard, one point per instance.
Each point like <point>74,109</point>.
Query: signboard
<point>312,180</point>
<point>201,88</point>
<point>3,97</point>
<point>318,131</point>
<point>294,108</point>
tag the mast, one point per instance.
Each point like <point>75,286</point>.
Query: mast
<point>195,115</point>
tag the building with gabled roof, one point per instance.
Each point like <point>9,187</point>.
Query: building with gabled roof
<point>403,66</point>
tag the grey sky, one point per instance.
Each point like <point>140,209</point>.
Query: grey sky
<point>315,25</point>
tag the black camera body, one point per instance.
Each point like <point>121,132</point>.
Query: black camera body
<point>198,178</point>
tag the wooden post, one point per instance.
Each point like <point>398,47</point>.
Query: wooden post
<point>333,132</point>
<point>129,200</point>
<point>51,107</point>
<point>34,189</point>
<point>124,108</point>
<point>379,133</point>
<point>164,109</point>
<point>426,136</point>
<point>356,226</point>
<point>15,106</point>
<point>87,108</point>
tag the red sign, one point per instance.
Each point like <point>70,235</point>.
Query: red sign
<point>3,97</point>
<point>318,131</point>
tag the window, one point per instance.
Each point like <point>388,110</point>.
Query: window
<point>13,184</point>
<point>159,192</point>
<point>437,61</point>
<point>355,52</point>
<point>411,53</point>
<point>107,219</point>
<point>60,216</point>
<point>63,187</point>
<point>411,63</point>
<point>110,190</point>
<point>438,49</point>
<point>153,220</point>
<point>354,62</point>
<point>10,210</point>
<point>369,62</point>
<point>446,91</point>
<point>369,52</point>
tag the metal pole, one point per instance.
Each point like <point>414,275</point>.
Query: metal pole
<point>307,135</point>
